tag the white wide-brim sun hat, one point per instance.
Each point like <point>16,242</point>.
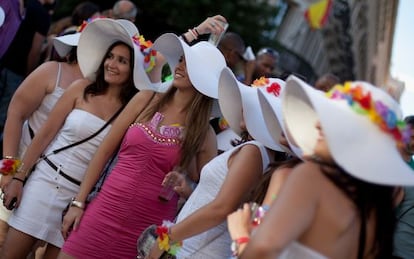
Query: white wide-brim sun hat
<point>203,60</point>
<point>356,143</point>
<point>271,105</point>
<point>98,36</point>
<point>64,44</point>
<point>239,101</point>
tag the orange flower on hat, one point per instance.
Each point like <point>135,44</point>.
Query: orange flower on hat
<point>262,81</point>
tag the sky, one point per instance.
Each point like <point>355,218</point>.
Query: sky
<point>402,56</point>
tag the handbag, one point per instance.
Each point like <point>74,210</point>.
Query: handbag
<point>145,242</point>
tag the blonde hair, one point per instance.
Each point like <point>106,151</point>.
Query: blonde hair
<point>196,122</point>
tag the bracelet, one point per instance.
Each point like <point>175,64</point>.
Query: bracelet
<point>192,34</point>
<point>18,179</point>
<point>235,244</point>
<point>185,39</point>
<point>10,165</point>
<point>164,240</point>
<point>78,204</point>
<point>195,29</point>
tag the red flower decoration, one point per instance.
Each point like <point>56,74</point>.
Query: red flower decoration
<point>365,101</point>
<point>160,231</point>
<point>274,88</point>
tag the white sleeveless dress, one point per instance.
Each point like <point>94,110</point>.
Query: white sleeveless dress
<point>214,243</point>
<point>296,250</point>
<point>47,192</point>
<point>36,120</point>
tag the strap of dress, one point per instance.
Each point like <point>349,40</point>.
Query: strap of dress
<point>58,75</point>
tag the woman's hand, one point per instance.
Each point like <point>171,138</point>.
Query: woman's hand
<point>179,182</point>
<point>71,220</point>
<point>4,181</point>
<point>214,25</point>
<point>155,252</point>
<point>239,222</point>
<point>12,194</point>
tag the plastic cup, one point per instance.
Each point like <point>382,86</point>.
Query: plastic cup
<point>215,39</point>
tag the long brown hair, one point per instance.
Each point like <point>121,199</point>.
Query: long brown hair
<point>196,122</point>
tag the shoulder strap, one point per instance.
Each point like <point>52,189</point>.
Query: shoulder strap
<point>58,75</point>
<point>91,136</point>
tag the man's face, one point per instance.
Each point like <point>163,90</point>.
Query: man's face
<point>265,64</point>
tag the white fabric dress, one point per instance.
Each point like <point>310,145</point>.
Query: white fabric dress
<point>36,120</point>
<point>46,192</point>
<point>214,243</point>
<point>296,250</point>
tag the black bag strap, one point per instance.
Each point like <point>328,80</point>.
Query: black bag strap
<point>87,138</point>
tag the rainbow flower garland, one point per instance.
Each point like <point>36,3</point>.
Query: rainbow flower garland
<point>9,165</point>
<point>147,51</point>
<point>163,239</point>
<point>362,103</point>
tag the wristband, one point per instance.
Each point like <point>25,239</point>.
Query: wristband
<point>235,244</point>
<point>18,179</point>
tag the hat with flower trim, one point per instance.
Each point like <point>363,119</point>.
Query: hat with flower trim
<point>100,34</point>
<point>361,123</point>
<point>239,101</point>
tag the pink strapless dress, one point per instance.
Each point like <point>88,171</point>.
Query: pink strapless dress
<point>128,202</point>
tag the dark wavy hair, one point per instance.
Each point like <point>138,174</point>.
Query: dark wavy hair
<point>100,86</point>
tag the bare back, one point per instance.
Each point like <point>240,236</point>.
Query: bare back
<point>335,228</point>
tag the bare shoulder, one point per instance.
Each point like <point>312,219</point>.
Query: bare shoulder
<point>144,96</point>
<point>248,152</point>
<point>309,175</point>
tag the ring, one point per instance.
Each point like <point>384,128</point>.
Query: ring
<point>213,24</point>
<point>2,196</point>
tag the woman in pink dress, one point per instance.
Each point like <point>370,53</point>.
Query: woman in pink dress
<point>156,133</point>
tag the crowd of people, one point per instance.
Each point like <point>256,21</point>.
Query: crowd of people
<point>307,171</point>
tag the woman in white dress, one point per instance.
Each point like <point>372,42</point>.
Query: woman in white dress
<point>113,68</point>
<point>338,203</point>
<point>32,103</point>
<point>227,180</point>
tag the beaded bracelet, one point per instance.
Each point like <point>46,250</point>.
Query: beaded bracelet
<point>9,165</point>
<point>164,240</point>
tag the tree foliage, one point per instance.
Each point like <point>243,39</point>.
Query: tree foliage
<point>254,20</point>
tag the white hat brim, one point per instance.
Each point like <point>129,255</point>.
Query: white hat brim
<point>204,62</point>
<point>64,44</point>
<point>359,146</point>
<point>273,116</point>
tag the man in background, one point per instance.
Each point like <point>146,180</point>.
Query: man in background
<point>125,9</point>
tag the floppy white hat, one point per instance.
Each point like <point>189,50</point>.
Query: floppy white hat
<point>204,62</point>
<point>63,44</point>
<point>238,101</point>
<point>99,35</point>
<point>271,105</point>
<point>361,124</point>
